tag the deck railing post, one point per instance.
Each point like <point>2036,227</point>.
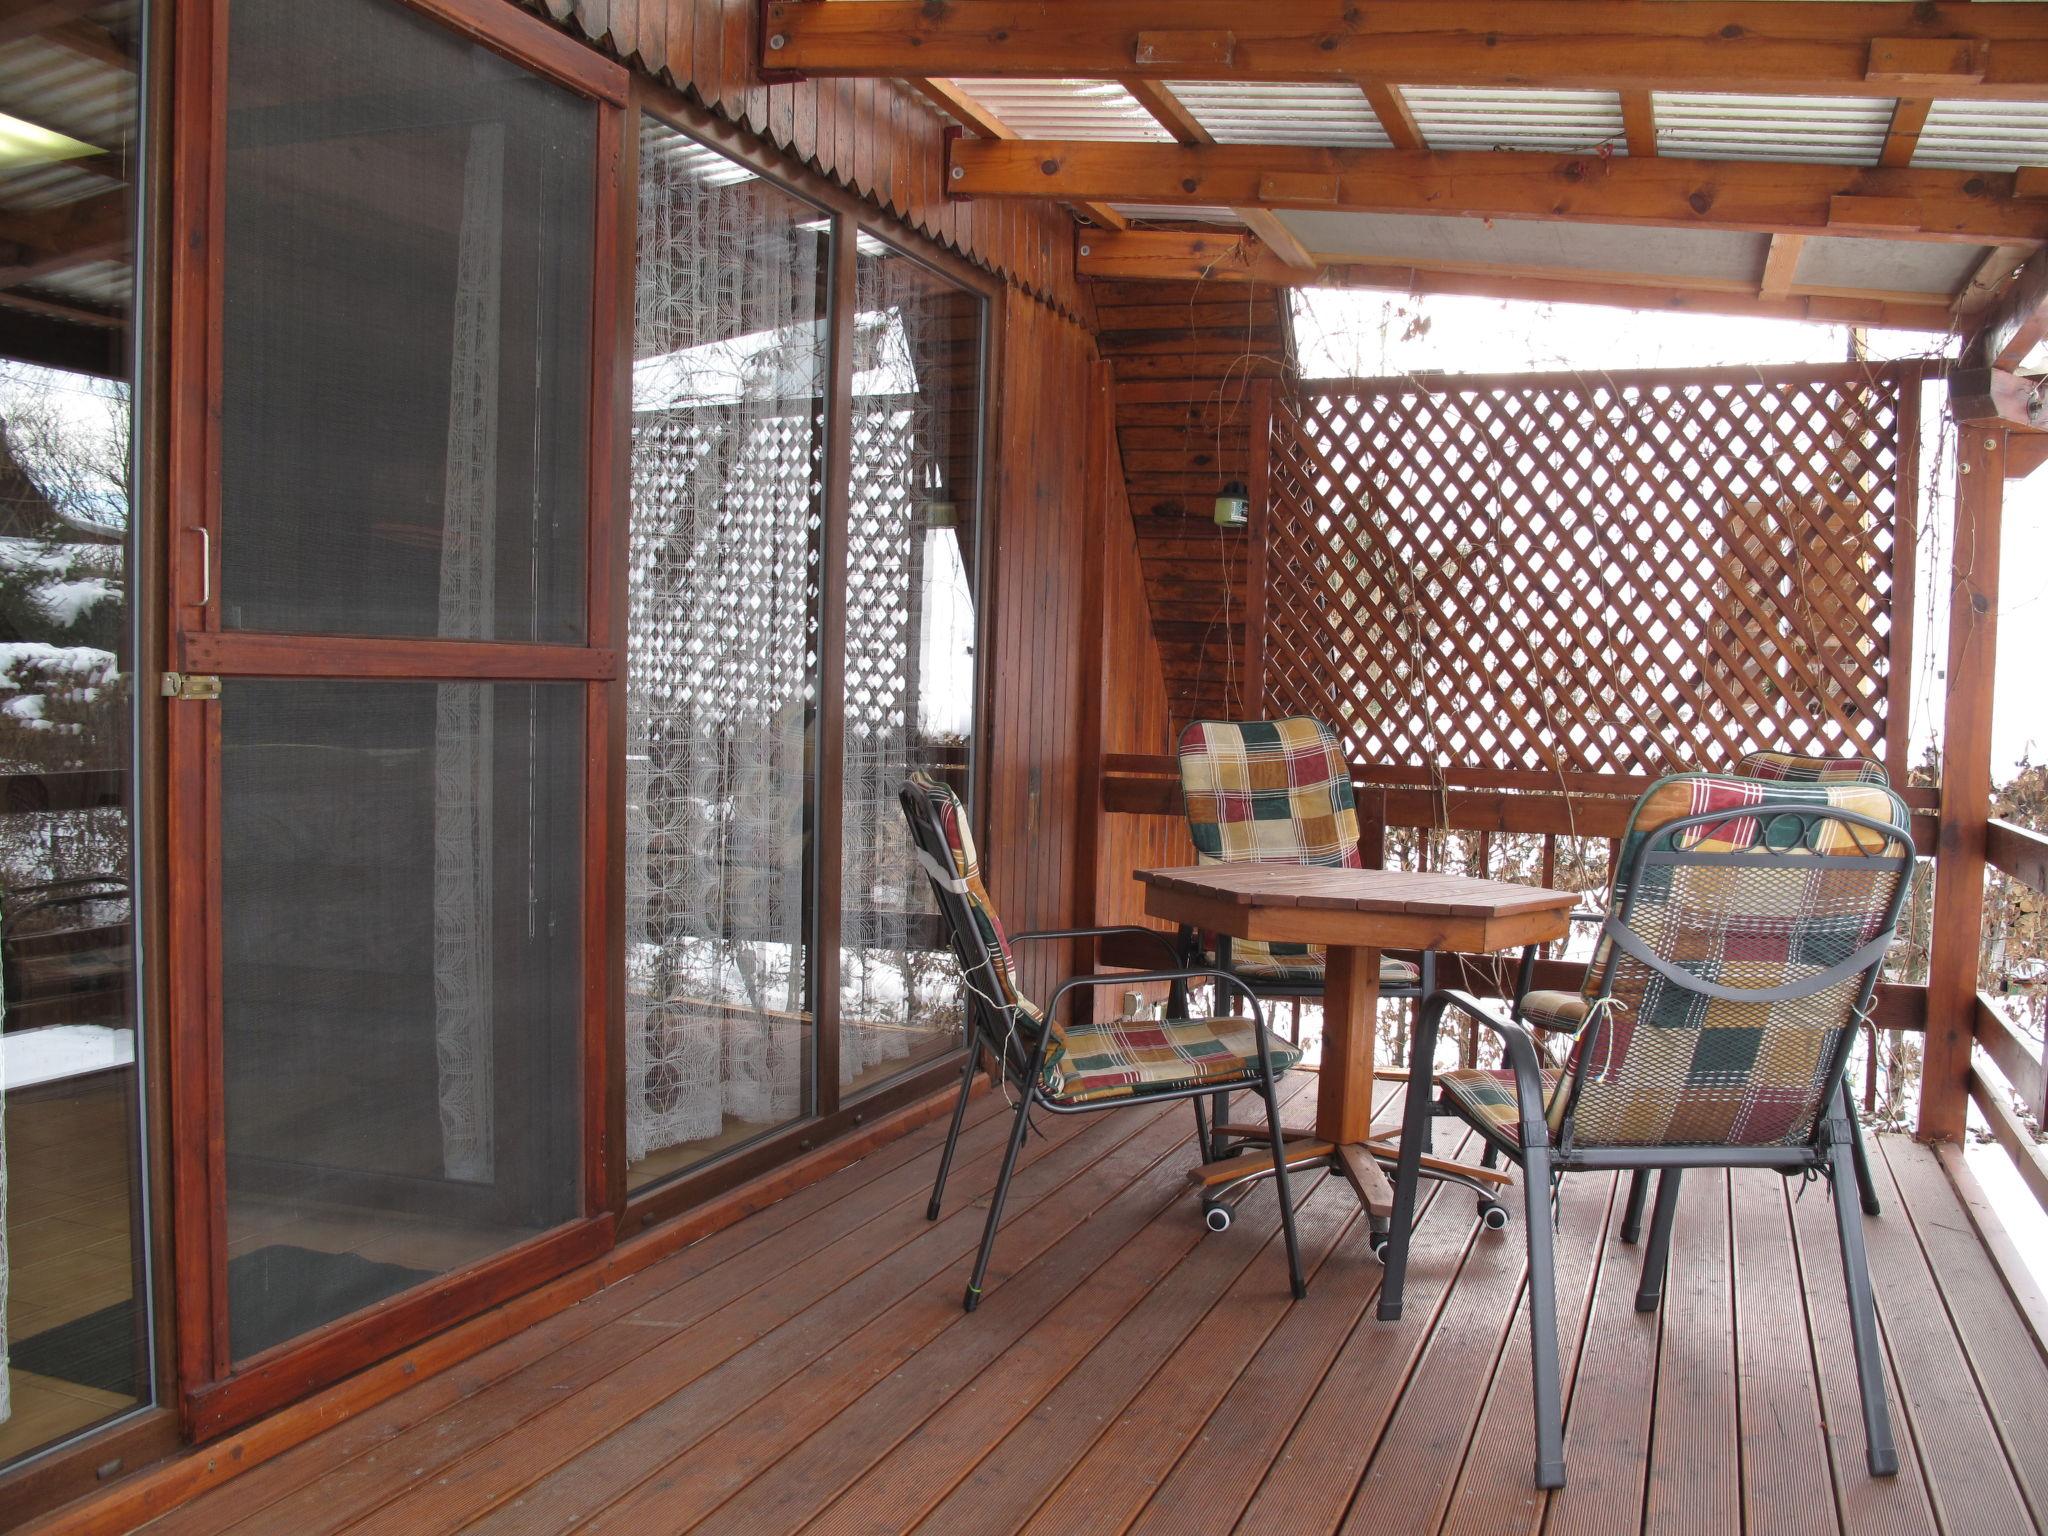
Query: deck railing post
<point>1965,783</point>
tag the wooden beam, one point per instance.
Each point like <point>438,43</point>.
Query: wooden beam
<point>1213,255</point>
<point>1172,114</point>
<point>1391,108</point>
<point>2026,453</point>
<point>1995,397</point>
<point>976,118</point>
<point>1802,47</point>
<point>1780,263</point>
<point>1278,238</point>
<point>1903,136</point>
<point>1639,121</point>
<point>1993,273</point>
<point>1766,196</point>
<point>2018,321</point>
<point>1965,784</point>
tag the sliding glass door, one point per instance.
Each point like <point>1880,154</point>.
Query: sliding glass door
<point>392,680</point>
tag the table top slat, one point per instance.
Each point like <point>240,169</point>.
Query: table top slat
<point>1410,892</point>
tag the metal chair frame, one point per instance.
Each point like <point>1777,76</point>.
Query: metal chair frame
<point>994,1024</point>
<point>1828,1152</point>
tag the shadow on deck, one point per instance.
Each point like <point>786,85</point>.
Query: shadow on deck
<point>810,1369</point>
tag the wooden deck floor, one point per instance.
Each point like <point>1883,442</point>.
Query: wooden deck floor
<point>810,1370</point>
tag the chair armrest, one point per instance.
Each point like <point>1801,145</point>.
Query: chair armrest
<point>1164,938</point>
<point>1520,1046</point>
<point>1190,973</point>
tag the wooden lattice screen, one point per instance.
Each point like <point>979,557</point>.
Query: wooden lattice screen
<point>1607,574</point>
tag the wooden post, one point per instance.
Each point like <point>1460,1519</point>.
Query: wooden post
<point>1965,783</point>
<point>1103,463</point>
<point>1253,685</point>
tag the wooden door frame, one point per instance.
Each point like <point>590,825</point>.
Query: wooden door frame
<point>216,1393</point>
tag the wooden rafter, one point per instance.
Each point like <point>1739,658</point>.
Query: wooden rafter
<point>1639,121</point>
<point>1903,136</point>
<point>976,118</point>
<point>1391,108</point>
<point>1172,114</point>
<point>1213,255</point>
<point>1766,196</point>
<point>2018,322</point>
<point>1807,47</point>
<point>1780,265</point>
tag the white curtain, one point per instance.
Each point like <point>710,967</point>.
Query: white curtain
<point>728,440</point>
<point>463,725</point>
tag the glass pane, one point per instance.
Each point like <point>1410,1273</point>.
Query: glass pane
<point>74,1333</point>
<point>401,876</point>
<point>728,457</point>
<point>910,646</point>
<point>407,350</point>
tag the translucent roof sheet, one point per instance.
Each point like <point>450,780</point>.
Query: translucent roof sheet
<point>1259,112</point>
<point>1984,135</point>
<point>1842,129</point>
<point>1066,109</point>
<point>1476,118</point>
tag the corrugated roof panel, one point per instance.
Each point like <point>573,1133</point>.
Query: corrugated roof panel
<point>1530,245</point>
<point>1984,135</point>
<point>1066,109</point>
<point>1257,112</point>
<point>1173,213</point>
<point>1489,118</point>
<point>1936,268</point>
<point>1841,129</point>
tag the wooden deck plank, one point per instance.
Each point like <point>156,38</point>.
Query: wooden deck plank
<point>686,1454</point>
<point>1110,1266</point>
<point>889,1254</point>
<point>1785,1482</point>
<point>1495,1492</point>
<point>1215,1474</point>
<point>1695,1480</point>
<point>1607,1416</point>
<point>1971,1484</point>
<point>324,1467</point>
<point>2003,1354</point>
<point>1414,1468</point>
<point>1869,1506</point>
<point>1192,1311</point>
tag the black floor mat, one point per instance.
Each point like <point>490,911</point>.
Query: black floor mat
<point>276,1293</point>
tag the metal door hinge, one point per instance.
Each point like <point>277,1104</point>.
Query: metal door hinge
<point>191,685</point>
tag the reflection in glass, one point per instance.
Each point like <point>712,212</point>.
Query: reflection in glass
<point>910,646</point>
<point>408,291</point>
<point>74,1336</point>
<point>401,985</point>
<point>728,444</point>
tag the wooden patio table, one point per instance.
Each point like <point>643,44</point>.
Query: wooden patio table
<point>1354,914</point>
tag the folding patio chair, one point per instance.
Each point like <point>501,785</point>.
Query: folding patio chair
<point>1275,792</point>
<point>1751,921</point>
<point>1081,1067</point>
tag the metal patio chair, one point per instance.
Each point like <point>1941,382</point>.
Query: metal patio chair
<point>1082,1067</point>
<point>1275,792</point>
<point>1751,923</point>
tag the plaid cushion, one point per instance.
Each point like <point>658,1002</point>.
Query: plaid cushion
<point>1486,1097</point>
<point>1792,768</point>
<point>1561,1011</point>
<point>1128,1057</point>
<point>1669,1066</point>
<point>953,821</point>
<point>1270,792</point>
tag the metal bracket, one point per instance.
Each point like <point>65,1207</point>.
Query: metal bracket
<point>197,686</point>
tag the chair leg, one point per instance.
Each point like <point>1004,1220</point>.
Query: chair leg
<point>1278,1135</point>
<point>1201,1128</point>
<point>1415,1122</point>
<point>1632,1213</point>
<point>1544,1376</point>
<point>1650,1288</point>
<point>995,1204</point>
<point>1866,1187</point>
<point>1219,1115</point>
<point>931,1211</point>
<point>1879,1452</point>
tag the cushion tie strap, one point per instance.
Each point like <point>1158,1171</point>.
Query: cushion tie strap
<point>1631,943</point>
<point>944,878</point>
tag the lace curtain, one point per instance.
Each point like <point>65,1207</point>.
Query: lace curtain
<point>728,443</point>
<point>909,645</point>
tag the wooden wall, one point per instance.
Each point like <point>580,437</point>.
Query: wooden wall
<point>1185,355</point>
<point>876,136</point>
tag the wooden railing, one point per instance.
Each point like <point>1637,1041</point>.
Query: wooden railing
<point>2021,854</point>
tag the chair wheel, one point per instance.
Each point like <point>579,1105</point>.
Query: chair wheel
<point>1377,1241</point>
<point>1216,1217</point>
<point>1493,1214</point>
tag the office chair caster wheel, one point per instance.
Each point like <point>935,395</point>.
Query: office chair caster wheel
<point>1215,1217</point>
<point>1493,1214</point>
<point>1378,1242</point>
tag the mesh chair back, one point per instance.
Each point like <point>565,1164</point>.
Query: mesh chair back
<point>1749,924</point>
<point>945,846</point>
<point>1793,768</point>
<point>1270,792</point>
